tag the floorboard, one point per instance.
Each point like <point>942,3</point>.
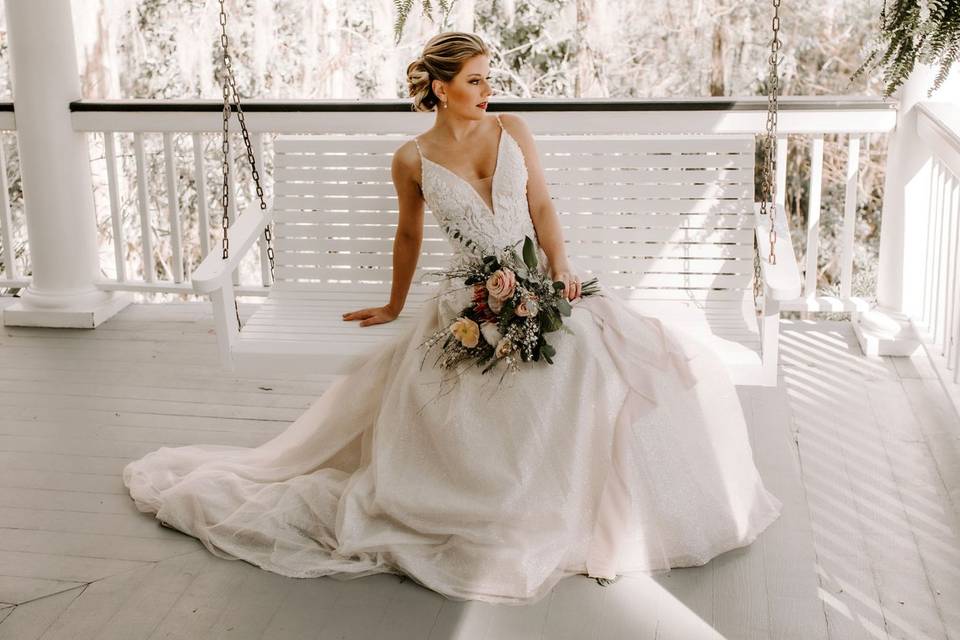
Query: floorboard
<point>863,452</point>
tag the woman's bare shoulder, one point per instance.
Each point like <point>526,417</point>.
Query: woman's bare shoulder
<point>515,124</point>
<point>517,127</point>
<point>406,161</point>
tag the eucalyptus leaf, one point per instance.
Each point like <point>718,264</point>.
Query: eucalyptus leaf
<point>550,321</point>
<point>529,253</point>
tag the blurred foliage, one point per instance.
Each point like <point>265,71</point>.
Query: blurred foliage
<point>306,49</point>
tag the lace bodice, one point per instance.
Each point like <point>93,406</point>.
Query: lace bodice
<point>463,214</point>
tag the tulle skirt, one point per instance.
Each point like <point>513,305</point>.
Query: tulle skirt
<point>627,455</point>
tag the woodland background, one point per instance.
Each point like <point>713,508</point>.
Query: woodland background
<point>314,49</point>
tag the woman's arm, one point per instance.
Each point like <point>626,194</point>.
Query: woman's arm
<point>546,222</point>
<point>406,243</point>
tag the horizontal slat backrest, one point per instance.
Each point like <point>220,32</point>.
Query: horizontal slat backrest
<point>652,216</point>
<point>335,215</point>
<point>656,216</point>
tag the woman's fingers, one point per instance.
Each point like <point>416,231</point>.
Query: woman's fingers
<point>367,317</point>
<point>571,285</point>
<point>359,314</point>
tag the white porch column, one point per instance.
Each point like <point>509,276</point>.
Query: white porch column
<point>885,329</point>
<point>55,168</point>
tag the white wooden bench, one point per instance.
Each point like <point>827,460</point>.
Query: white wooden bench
<point>667,222</point>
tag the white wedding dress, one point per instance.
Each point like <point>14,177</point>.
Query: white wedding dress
<point>628,454</point>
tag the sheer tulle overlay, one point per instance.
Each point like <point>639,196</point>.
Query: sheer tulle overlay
<point>628,454</point>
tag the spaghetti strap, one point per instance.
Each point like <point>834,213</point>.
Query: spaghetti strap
<point>498,121</point>
<point>416,141</point>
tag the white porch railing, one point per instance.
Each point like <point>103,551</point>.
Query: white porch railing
<point>938,320</point>
<point>9,270</point>
<point>183,140</point>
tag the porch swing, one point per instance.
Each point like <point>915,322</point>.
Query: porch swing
<point>327,263</point>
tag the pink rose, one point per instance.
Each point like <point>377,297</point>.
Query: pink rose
<point>501,284</point>
<point>528,307</point>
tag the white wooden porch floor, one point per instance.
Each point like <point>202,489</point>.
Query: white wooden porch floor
<point>864,453</point>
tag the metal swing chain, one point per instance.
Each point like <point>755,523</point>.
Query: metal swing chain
<point>768,182</point>
<point>230,91</point>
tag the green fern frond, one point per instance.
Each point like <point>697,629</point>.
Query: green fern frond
<point>907,37</point>
<point>403,8</point>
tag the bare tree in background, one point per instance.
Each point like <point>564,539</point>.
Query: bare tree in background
<point>307,49</point>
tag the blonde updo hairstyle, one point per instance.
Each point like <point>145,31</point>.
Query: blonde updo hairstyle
<point>443,57</point>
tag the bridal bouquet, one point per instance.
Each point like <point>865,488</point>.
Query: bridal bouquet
<point>514,306</point>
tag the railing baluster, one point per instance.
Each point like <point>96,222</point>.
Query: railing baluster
<point>116,217</point>
<point>946,242</point>
<point>232,205</point>
<point>781,198</point>
<point>939,258</point>
<point>953,225</point>
<point>953,355</point>
<point>6,221</point>
<point>173,208</point>
<point>257,141</point>
<point>849,217</point>
<point>200,176</point>
<point>813,216</point>
<point>146,238</point>
<point>927,305</point>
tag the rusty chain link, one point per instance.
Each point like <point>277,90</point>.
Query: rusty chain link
<point>230,92</point>
<point>768,180</point>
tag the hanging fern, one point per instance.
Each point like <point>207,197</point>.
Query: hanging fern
<point>925,31</point>
<point>404,7</point>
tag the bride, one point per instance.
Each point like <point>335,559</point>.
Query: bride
<point>628,454</point>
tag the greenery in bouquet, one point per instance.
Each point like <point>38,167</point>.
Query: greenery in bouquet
<point>513,308</point>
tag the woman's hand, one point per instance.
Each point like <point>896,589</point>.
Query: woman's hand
<point>570,280</point>
<point>372,315</point>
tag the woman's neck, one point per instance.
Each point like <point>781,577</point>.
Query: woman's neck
<point>457,129</point>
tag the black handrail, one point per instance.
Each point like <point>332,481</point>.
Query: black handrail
<point>750,103</point>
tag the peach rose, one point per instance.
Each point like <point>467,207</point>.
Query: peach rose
<point>501,284</point>
<point>466,331</point>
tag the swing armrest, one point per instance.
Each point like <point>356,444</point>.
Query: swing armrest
<point>215,272</point>
<point>781,281</point>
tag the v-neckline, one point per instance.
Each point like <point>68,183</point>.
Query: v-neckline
<point>493,177</point>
